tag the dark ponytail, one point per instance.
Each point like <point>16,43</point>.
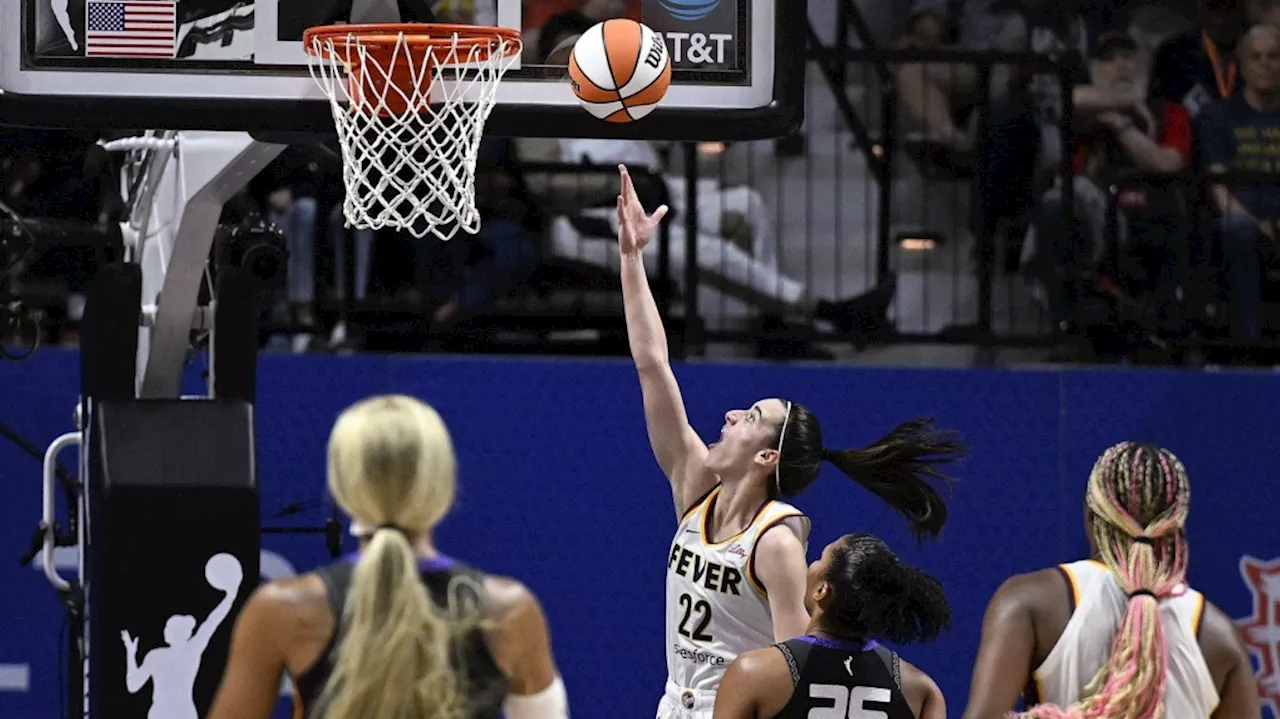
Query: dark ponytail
<point>902,468</point>
<point>876,596</point>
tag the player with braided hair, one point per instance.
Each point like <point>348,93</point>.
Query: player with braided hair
<point>859,594</point>
<point>1120,635</point>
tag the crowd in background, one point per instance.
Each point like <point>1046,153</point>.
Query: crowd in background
<point>1165,90</point>
<point>1156,88</point>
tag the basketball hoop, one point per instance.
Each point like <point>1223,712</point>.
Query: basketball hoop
<point>410,102</point>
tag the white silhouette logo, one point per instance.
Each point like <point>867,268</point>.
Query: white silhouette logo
<point>64,21</point>
<point>172,669</point>
<point>848,665</point>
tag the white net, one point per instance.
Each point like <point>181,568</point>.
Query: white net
<point>410,117</point>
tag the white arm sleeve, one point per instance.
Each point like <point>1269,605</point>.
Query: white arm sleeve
<point>550,703</point>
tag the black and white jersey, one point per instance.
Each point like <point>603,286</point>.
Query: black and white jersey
<point>839,679</point>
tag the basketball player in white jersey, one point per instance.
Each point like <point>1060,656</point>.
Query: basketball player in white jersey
<point>1119,635</point>
<point>736,568</point>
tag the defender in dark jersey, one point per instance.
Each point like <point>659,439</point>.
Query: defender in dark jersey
<point>397,630</point>
<point>857,593</point>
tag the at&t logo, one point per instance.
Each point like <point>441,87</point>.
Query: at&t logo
<point>689,10</point>
<point>698,48</point>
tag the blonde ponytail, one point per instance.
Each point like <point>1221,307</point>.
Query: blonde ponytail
<point>391,466</point>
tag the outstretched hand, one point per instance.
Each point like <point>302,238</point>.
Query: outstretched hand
<point>130,643</point>
<point>635,228</point>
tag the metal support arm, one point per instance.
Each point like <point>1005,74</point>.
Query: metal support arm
<point>187,178</point>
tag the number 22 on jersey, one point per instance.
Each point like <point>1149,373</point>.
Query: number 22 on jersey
<point>697,615</point>
<point>848,701</point>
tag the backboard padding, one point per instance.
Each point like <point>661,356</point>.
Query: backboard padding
<point>235,68</point>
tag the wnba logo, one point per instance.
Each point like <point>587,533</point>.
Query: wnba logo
<point>689,10</point>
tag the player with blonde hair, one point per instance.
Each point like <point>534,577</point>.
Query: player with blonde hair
<point>399,630</point>
<point>1121,635</point>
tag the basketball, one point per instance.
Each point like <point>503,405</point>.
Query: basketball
<point>620,70</point>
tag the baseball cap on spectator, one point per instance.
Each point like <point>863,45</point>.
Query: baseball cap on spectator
<point>1112,42</point>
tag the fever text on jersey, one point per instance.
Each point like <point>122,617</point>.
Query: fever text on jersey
<point>694,567</point>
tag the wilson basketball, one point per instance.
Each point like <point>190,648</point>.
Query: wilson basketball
<point>619,70</point>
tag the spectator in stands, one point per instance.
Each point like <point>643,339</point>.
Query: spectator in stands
<point>737,214</point>
<point>938,96</point>
<point>1242,133</point>
<point>558,30</point>
<point>1264,12</point>
<point>467,274</point>
<point>362,240</point>
<point>538,12</point>
<point>1152,24</point>
<point>42,173</point>
<point>1155,139</point>
<point>540,30</point>
<point>732,266</point>
<point>1199,67</point>
<point>1067,30</point>
<point>288,187</point>
<point>1022,142</point>
<point>744,266</point>
<point>465,12</point>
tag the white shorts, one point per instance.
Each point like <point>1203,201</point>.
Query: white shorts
<point>680,703</point>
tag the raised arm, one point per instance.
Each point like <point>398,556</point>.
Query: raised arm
<point>216,617</point>
<point>678,449</point>
<point>135,677</point>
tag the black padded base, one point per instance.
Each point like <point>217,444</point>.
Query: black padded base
<point>172,551</point>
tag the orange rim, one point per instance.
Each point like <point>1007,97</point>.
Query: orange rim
<point>418,36</point>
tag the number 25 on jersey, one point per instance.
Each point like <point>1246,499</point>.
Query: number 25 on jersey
<point>848,701</point>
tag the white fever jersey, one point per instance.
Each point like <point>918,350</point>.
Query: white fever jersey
<point>1098,606</point>
<point>716,606</point>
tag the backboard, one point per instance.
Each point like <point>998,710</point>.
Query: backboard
<point>239,64</point>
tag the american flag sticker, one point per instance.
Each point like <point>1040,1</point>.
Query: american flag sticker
<point>130,28</point>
